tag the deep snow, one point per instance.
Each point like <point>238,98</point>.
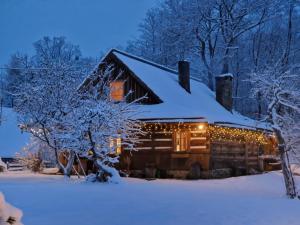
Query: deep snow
<point>248,200</point>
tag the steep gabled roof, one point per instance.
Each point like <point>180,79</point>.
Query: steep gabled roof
<point>177,103</point>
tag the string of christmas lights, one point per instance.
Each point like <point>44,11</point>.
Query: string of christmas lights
<point>216,133</point>
<point>242,136</point>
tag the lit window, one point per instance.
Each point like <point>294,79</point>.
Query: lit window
<point>115,145</point>
<point>117,90</point>
<point>181,141</point>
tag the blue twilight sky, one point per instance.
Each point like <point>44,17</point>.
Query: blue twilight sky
<point>95,25</point>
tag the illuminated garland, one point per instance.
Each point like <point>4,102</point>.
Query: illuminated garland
<point>168,128</point>
<point>218,133</point>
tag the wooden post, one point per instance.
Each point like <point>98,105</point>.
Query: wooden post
<point>246,157</point>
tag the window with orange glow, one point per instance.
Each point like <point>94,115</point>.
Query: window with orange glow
<point>181,141</point>
<point>117,90</point>
<point>115,145</point>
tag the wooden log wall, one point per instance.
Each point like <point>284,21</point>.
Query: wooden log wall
<point>234,155</point>
<point>158,149</point>
<point>240,149</point>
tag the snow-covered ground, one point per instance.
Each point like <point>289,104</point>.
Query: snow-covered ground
<point>249,200</point>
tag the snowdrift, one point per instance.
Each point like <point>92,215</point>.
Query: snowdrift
<point>9,214</point>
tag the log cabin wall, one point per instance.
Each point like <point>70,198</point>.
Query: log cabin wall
<point>157,150</point>
<point>239,149</point>
<point>237,154</point>
<point>157,156</point>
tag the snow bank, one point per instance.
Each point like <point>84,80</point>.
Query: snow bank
<point>8,213</point>
<point>247,200</point>
<point>295,169</point>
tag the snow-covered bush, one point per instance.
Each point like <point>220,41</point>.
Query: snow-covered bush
<point>9,215</point>
<point>30,160</point>
<point>35,155</point>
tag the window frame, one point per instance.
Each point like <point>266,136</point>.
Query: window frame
<point>187,139</point>
<point>115,145</point>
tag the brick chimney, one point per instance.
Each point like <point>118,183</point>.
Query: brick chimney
<point>184,75</point>
<point>224,90</point>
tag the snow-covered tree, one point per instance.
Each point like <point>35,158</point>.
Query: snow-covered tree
<point>279,85</point>
<point>97,126</point>
<point>44,94</point>
<point>281,88</point>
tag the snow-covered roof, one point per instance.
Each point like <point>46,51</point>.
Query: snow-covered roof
<point>177,103</point>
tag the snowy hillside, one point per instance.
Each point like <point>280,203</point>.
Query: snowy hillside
<point>248,200</point>
<point>11,138</point>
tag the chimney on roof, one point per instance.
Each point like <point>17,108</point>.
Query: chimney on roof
<point>184,75</point>
<point>224,90</point>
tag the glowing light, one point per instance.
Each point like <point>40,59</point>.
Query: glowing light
<point>238,135</point>
<point>216,133</point>
<point>201,127</point>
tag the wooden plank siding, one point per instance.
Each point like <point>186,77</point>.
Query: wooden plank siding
<point>157,149</point>
<point>133,84</point>
<point>234,155</point>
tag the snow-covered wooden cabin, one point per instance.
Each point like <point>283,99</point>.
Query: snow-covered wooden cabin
<point>191,131</point>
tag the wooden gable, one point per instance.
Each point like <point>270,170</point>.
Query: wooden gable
<point>132,83</point>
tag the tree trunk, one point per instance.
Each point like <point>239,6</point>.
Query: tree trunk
<point>69,166</point>
<point>66,170</point>
<point>259,107</point>
<point>286,169</point>
<point>102,174</point>
<point>210,80</point>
